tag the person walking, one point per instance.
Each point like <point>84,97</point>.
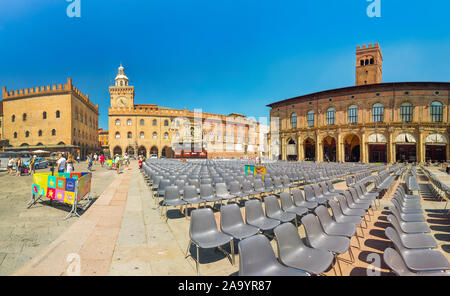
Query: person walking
<point>126,160</point>
<point>61,163</point>
<point>90,161</point>
<point>32,167</point>
<point>102,160</point>
<point>70,168</point>
<point>78,158</point>
<point>117,163</point>
<point>95,158</point>
<point>140,162</point>
<point>10,165</point>
<point>18,166</point>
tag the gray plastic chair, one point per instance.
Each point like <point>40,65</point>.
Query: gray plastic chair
<point>293,253</point>
<point>299,200</point>
<point>231,223</point>
<point>203,233</point>
<point>332,227</point>
<point>207,194</point>
<point>332,189</point>
<point>406,210</point>
<point>418,259</point>
<point>222,192</point>
<point>162,185</point>
<point>274,211</point>
<point>340,217</point>
<point>172,198</point>
<point>288,205</point>
<point>411,227</point>
<point>395,262</point>
<point>190,195</point>
<point>412,240</point>
<point>406,217</point>
<point>318,239</point>
<point>324,187</point>
<point>346,210</point>
<point>256,258</point>
<point>235,189</point>
<point>310,195</point>
<point>318,193</point>
<point>254,215</point>
<point>180,184</point>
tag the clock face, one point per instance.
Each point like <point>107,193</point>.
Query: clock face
<point>122,101</point>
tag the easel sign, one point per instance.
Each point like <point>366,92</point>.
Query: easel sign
<point>67,188</point>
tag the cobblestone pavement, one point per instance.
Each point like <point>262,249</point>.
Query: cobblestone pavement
<point>25,232</point>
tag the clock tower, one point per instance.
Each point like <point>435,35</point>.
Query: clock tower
<point>122,94</point>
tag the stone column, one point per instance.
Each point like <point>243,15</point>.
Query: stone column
<point>283,148</point>
<point>420,149</point>
<point>363,147</point>
<point>391,148</point>
<point>340,153</point>
<point>300,149</point>
<point>319,152</point>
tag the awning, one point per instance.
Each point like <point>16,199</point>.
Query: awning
<point>376,139</point>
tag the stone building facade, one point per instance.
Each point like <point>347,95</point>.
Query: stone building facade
<point>149,129</point>
<point>54,117</point>
<point>370,122</point>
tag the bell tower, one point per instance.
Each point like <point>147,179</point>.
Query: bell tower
<point>369,64</point>
<point>122,94</point>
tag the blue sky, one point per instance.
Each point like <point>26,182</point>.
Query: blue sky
<point>222,56</point>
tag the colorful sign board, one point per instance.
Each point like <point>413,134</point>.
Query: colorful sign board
<point>255,170</point>
<point>62,186</point>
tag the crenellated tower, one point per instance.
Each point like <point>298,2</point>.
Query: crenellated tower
<point>369,64</point>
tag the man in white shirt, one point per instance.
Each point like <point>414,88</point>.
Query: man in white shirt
<point>61,163</point>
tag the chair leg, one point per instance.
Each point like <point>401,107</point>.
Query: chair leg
<point>197,262</point>
<point>232,251</point>
<point>357,238</point>
<point>188,247</point>
<point>338,264</point>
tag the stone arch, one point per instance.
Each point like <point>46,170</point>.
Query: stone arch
<point>436,147</point>
<point>352,148</point>
<point>154,150</point>
<point>167,152</point>
<point>142,151</point>
<point>309,147</point>
<point>291,149</point>
<point>329,148</point>
<point>130,150</point>
<point>117,150</point>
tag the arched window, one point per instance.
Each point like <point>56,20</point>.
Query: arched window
<point>117,135</point>
<point>154,135</point>
<point>27,134</point>
<point>129,135</point>
<point>331,115</point>
<point>362,62</point>
<point>154,122</point>
<point>53,132</point>
<point>13,118</point>
<point>121,83</point>
<point>406,112</point>
<point>40,133</point>
<point>166,122</point>
<point>129,122</point>
<point>58,114</point>
<point>117,121</point>
<point>310,118</point>
<point>436,111</point>
<point>353,114</point>
<point>166,135</point>
<point>141,135</point>
<point>24,116</point>
<point>294,120</point>
<point>15,135</point>
<point>141,122</point>
<point>44,115</point>
<point>377,112</point>
<point>372,61</point>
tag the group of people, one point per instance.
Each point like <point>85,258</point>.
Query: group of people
<point>65,165</point>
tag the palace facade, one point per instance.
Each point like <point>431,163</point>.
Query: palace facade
<point>148,129</point>
<point>54,118</point>
<point>370,122</point>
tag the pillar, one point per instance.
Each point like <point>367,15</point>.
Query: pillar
<point>283,149</point>
<point>340,149</point>
<point>420,148</point>
<point>319,149</point>
<point>300,150</point>
<point>391,148</point>
<point>364,148</point>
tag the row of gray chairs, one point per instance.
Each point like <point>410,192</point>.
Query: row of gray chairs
<point>415,250</point>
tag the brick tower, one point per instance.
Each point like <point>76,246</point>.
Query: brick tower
<point>369,64</point>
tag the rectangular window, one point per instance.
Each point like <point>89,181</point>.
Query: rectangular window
<point>377,114</point>
<point>436,113</point>
<point>406,113</point>
<point>310,118</point>
<point>330,117</point>
<point>353,115</point>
